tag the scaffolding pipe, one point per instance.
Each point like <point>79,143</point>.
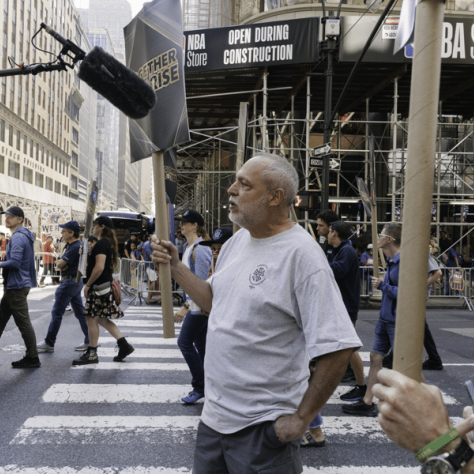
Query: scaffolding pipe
<point>366,157</point>
<point>394,154</point>
<point>265,102</point>
<point>438,203</point>
<point>308,120</point>
<point>292,137</point>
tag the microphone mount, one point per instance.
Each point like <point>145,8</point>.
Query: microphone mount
<point>70,49</point>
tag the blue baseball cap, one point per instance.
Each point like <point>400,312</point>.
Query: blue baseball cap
<point>71,225</point>
<point>14,211</point>
<point>220,236</point>
<point>191,216</point>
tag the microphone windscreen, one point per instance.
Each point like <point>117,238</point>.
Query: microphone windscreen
<point>117,83</point>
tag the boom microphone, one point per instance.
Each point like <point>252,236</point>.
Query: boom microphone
<point>117,83</point>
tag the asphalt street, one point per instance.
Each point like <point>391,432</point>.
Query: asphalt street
<point>127,417</point>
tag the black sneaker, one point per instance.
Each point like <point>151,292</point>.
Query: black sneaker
<point>27,363</point>
<point>429,364</point>
<point>354,394</point>
<point>348,376</point>
<point>360,409</point>
<point>124,349</point>
<point>88,357</point>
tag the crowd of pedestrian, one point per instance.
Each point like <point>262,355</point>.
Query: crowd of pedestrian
<point>268,323</point>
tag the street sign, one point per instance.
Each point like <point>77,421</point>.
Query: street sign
<point>322,150</point>
<point>315,162</point>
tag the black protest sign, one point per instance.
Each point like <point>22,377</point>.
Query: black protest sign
<point>154,50</point>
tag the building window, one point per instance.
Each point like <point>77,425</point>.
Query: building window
<point>47,157</point>
<point>64,190</point>
<point>31,148</point>
<point>42,155</point>
<point>4,81</point>
<point>27,175</point>
<point>39,180</point>
<point>75,111</point>
<point>75,136</point>
<point>57,187</point>
<point>13,169</point>
<point>37,151</point>
<point>55,163</point>
<point>25,145</point>
<point>49,184</point>
<point>10,135</point>
<point>2,130</point>
<point>74,182</point>
<point>18,140</point>
<point>2,164</point>
<point>74,159</point>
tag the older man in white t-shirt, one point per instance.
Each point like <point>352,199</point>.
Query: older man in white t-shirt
<point>274,304</point>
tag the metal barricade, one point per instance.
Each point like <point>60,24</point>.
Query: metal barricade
<point>366,290</point>
<point>46,270</point>
<point>454,283</point>
<point>137,278</point>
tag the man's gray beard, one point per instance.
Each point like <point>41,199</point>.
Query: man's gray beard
<point>250,214</point>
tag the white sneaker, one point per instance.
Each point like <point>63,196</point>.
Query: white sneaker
<point>82,347</point>
<point>68,307</point>
<point>44,347</point>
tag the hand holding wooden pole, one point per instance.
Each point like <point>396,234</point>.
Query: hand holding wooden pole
<point>162,232</point>
<point>424,96</point>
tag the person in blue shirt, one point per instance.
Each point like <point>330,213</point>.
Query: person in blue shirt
<point>389,241</point>
<point>68,291</point>
<point>19,275</point>
<point>451,261</point>
<point>150,274</point>
<point>192,338</point>
<point>135,254</point>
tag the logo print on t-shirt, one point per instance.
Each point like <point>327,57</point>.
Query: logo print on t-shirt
<point>258,276</point>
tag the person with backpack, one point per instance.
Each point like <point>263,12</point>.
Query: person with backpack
<point>192,338</point>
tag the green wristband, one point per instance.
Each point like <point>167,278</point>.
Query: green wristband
<point>431,448</point>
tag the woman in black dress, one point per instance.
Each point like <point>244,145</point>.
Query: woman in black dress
<point>101,306</point>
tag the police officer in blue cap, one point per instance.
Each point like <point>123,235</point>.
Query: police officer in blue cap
<point>68,292</point>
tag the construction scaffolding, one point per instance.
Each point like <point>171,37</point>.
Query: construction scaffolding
<point>207,165</point>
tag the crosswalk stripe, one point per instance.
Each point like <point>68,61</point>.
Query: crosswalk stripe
<point>158,316</point>
<point>361,470</point>
<point>120,429</point>
<point>115,393</point>
<point>182,429</point>
<point>129,330</point>
<point>132,366</point>
<point>13,469</point>
<point>134,393</point>
<point>150,341</point>
<point>139,323</point>
<point>140,352</point>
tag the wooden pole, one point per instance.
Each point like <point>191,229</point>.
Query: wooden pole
<point>424,94</point>
<point>163,233</point>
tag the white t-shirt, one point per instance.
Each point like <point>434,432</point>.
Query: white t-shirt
<point>275,305</point>
<point>192,306</point>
